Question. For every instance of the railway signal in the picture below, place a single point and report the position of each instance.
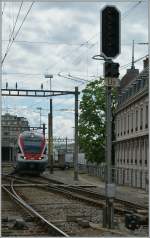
(110, 48)
(110, 32)
(111, 69)
(111, 74)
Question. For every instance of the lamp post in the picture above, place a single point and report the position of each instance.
(50, 129)
(39, 108)
(49, 76)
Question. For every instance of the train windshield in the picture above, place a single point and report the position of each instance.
(32, 145)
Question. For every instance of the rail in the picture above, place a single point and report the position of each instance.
(84, 194)
(54, 230)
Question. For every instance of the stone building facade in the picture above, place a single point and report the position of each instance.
(11, 127)
(131, 129)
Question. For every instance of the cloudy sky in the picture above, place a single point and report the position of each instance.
(60, 39)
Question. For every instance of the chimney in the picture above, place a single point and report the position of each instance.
(145, 63)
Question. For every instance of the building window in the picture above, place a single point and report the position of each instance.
(124, 125)
(136, 128)
(131, 152)
(141, 150)
(128, 152)
(132, 121)
(6, 133)
(121, 126)
(128, 123)
(136, 152)
(146, 153)
(121, 149)
(118, 126)
(144, 82)
(141, 118)
(146, 117)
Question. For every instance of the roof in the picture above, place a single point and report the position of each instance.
(129, 77)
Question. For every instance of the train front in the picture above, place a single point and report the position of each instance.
(31, 157)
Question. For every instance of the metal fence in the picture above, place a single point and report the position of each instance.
(137, 178)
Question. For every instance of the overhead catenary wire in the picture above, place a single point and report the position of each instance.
(131, 9)
(87, 41)
(17, 32)
(3, 8)
(93, 37)
(12, 33)
(126, 65)
(46, 42)
(68, 77)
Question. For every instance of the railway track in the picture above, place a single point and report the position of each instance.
(65, 213)
(51, 229)
(75, 194)
(82, 193)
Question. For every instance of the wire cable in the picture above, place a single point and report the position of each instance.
(17, 32)
(3, 8)
(86, 42)
(46, 42)
(11, 35)
(126, 65)
(131, 9)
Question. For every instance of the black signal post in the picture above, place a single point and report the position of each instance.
(110, 48)
(111, 69)
(110, 34)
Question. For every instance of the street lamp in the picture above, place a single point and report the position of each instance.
(39, 108)
(50, 129)
(49, 76)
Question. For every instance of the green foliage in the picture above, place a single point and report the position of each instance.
(92, 121)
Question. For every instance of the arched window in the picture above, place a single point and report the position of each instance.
(128, 122)
(136, 127)
(141, 118)
(124, 125)
(146, 117)
(132, 121)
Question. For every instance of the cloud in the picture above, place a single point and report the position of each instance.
(65, 26)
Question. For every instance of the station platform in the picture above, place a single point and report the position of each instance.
(127, 193)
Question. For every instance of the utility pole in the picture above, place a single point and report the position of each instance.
(76, 137)
(50, 120)
(50, 76)
(110, 48)
(66, 144)
(51, 136)
(109, 187)
(49, 142)
(40, 109)
(44, 129)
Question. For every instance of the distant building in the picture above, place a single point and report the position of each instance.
(131, 128)
(11, 127)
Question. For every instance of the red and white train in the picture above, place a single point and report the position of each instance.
(31, 157)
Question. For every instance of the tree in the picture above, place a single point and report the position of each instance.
(92, 121)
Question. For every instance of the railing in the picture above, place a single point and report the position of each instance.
(137, 178)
